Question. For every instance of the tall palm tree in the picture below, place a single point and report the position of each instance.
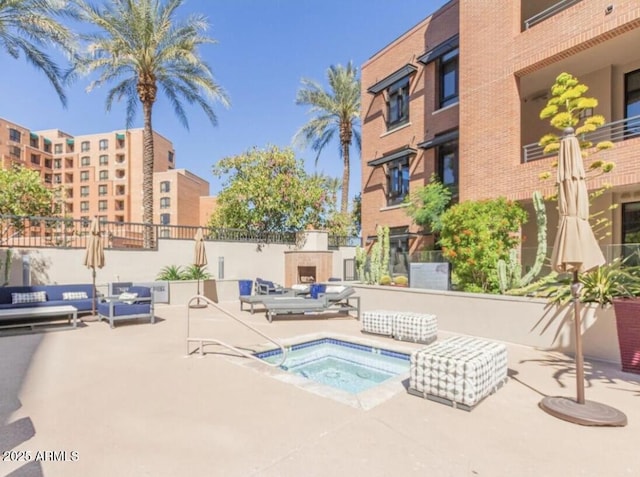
(141, 47)
(336, 111)
(26, 26)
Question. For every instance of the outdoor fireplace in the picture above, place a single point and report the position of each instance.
(306, 274)
(302, 266)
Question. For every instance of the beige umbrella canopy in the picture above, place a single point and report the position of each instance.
(199, 258)
(576, 250)
(94, 256)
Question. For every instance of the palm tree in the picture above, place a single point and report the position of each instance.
(28, 25)
(141, 47)
(337, 110)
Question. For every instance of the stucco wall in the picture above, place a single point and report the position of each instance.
(525, 321)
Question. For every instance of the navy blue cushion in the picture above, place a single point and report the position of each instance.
(124, 309)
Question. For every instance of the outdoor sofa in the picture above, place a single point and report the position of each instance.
(79, 296)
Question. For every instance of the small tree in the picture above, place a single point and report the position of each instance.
(475, 235)
(268, 190)
(24, 194)
(564, 110)
(428, 203)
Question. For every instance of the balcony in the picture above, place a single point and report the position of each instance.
(539, 11)
(615, 131)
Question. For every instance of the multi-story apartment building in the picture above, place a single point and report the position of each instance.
(459, 95)
(101, 174)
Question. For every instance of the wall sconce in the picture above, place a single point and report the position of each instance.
(608, 10)
(220, 268)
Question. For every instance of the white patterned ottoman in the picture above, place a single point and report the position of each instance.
(379, 322)
(460, 371)
(418, 327)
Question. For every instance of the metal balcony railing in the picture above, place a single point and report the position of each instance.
(549, 12)
(615, 131)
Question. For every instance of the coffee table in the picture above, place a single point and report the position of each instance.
(38, 312)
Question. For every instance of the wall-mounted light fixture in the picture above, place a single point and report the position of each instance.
(608, 10)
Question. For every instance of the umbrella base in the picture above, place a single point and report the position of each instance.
(89, 318)
(198, 305)
(588, 414)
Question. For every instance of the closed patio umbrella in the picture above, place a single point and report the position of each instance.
(199, 259)
(94, 256)
(576, 250)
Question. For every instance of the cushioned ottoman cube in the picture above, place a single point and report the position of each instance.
(418, 327)
(379, 322)
(459, 372)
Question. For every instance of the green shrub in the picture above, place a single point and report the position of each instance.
(171, 273)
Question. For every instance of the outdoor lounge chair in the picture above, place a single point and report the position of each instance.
(137, 302)
(336, 300)
(266, 287)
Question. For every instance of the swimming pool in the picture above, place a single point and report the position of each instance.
(343, 365)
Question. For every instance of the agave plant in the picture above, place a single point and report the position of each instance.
(171, 273)
(194, 272)
(601, 286)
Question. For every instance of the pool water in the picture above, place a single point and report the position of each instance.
(343, 365)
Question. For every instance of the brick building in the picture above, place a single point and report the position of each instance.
(101, 174)
(459, 95)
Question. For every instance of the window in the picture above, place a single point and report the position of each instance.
(398, 103)
(85, 161)
(399, 250)
(102, 205)
(120, 158)
(104, 144)
(170, 156)
(47, 146)
(104, 160)
(631, 222)
(47, 163)
(165, 186)
(57, 163)
(15, 151)
(14, 135)
(84, 176)
(165, 202)
(102, 218)
(84, 146)
(449, 78)
(632, 103)
(120, 173)
(84, 206)
(397, 180)
(57, 178)
(448, 167)
(104, 175)
(57, 149)
(102, 189)
(47, 178)
(84, 191)
(165, 219)
(120, 190)
(35, 159)
(33, 141)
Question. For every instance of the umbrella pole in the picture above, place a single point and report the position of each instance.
(576, 287)
(93, 302)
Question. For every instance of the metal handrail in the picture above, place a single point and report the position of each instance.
(549, 12)
(614, 131)
(190, 339)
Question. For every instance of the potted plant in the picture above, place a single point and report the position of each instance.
(615, 284)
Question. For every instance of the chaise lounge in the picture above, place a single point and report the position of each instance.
(336, 299)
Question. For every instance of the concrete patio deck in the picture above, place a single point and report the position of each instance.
(128, 402)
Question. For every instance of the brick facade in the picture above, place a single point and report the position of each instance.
(504, 70)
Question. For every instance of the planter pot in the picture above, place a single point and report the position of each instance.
(628, 325)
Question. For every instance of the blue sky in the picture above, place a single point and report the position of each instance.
(265, 47)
